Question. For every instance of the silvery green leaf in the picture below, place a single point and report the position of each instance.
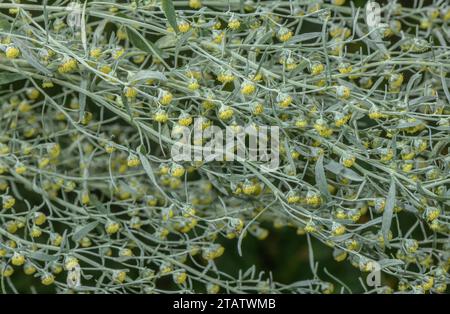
(167, 41)
(411, 82)
(42, 256)
(84, 230)
(388, 212)
(321, 179)
(127, 106)
(28, 55)
(420, 100)
(169, 12)
(7, 77)
(99, 205)
(82, 97)
(406, 124)
(83, 27)
(146, 75)
(445, 86)
(384, 263)
(216, 184)
(140, 42)
(339, 169)
(305, 37)
(4, 24)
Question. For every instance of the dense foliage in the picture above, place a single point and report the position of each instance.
(94, 94)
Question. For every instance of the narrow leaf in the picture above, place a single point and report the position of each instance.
(6, 77)
(143, 44)
(83, 28)
(169, 12)
(127, 107)
(321, 180)
(83, 231)
(42, 256)
(147, 167)
(146, 75)
(388, 212)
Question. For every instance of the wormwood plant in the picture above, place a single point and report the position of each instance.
(93, 94)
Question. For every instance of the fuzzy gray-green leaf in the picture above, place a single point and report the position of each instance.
(169, 12)
(388, 212)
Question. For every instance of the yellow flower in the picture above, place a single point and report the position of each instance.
(257, 108)
(8, 201)
(179, 277)
(234, 23)
(432, 213)
(29, 269)
(428, 283)
(12, 52)
(345, 68)
(348, 161)
(225, 113)
(33, 93)
(185, 120)
(24, 106)
(68, 66)
(133, 161)
(425, 23)
(375, 114)
(165, 98)
(6, 270)
(35, 232)
(17, 259)
(313, 199)
(249, 188)
(85, 199)
(177, 170)
(284, 100)
(71, 263)
(248, 88)
(310, 227)
(212, 288)
(343, 92)
(338, 229)
(284, 34)
(161, 116)
(47, 279)
(317, 68)
(395, 81)
(293, 198)
(184, 27)
(56, 239)
(118, 53)
(139, 59)
(39, 218)
(106, 69)
(225, 77)
(13, 11)
(321, 127)
(112, 227)
(20, 168)
(130, 92)
(301, 123)
(95, 53)
(446, 15)
(195, 4)
(218, 36)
